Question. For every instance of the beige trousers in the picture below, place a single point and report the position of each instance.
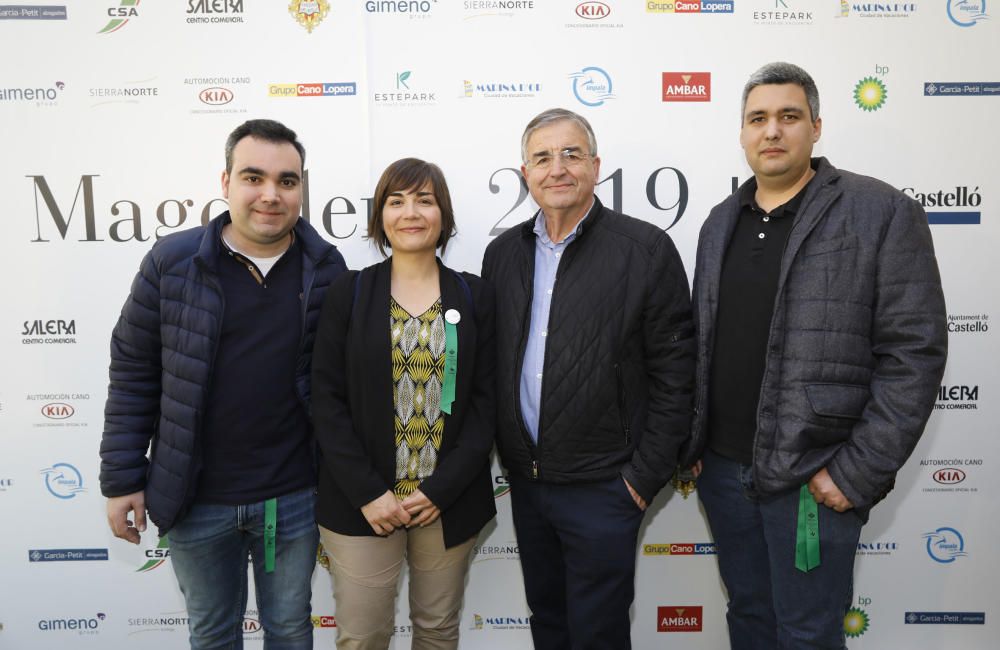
(365, 574)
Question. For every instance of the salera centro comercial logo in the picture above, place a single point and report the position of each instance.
(958, 398)
(679, 618)
(592, 86)
(966, 13)
(325, 89)
(690, 7)
(215, 11)
(309, 13)
(63, 481)
(120, 16)
(687, 86)
(945, 545)
(32, 12)
(43, 331)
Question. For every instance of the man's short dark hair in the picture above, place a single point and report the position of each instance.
(780, 72)
(266, 130)
(409, 175)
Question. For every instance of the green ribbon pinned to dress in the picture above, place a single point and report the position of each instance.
(270, 528)
(807, 532)
(450, 366)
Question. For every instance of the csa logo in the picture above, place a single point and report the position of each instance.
(945, 544)
(63, 481)
(687, 618)
(156, 556)
(120, 16)
(309, 13)
(501, 486)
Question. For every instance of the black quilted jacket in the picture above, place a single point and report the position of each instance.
(162, 350)
(619, 354)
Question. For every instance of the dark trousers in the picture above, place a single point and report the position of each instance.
(771, 603)
(577, 544)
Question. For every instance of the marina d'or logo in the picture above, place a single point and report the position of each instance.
(63, 481)
(945, 544)
(592, 86)
(855, 622)
(309, 13)
(870, 94)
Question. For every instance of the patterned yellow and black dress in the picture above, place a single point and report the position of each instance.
(418, 345)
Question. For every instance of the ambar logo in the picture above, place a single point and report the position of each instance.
(686, 618)
(58, 411)
(216, 96)
(687, 86)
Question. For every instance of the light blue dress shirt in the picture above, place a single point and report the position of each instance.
(547, 257)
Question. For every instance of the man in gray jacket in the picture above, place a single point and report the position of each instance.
(821, 340)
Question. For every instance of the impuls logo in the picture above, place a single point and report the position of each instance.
(592, 86)
(966, 13)
(945, 544)
(63, 481)
(120, 15)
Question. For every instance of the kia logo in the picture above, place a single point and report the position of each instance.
(949, 476)
(592, 10)
(215, 96)
(57, 411)
(250, 625)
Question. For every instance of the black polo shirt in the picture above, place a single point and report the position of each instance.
(255, 437)
(747, 289)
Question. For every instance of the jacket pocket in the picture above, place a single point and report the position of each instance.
(830, 246)
(838, 400)
(622, 405)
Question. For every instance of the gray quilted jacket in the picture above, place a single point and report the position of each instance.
(858, 337)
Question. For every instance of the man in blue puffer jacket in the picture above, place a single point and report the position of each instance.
(210, 365)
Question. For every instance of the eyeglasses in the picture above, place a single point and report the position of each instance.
(567, 157)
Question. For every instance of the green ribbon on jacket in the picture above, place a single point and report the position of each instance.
(807, 532)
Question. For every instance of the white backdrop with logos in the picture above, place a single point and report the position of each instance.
(114, 117)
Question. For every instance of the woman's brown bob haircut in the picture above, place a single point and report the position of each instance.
(409, 175)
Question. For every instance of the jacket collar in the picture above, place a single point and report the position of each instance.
(588, 223)
(314, 248)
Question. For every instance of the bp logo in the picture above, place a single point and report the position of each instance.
(855, 622)
(870, 94)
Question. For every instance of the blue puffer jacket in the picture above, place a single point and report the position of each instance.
(162, 351)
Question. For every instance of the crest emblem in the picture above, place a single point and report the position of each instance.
(309, 13)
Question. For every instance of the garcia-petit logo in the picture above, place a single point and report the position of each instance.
(673, 618)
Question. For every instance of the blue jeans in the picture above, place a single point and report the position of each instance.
(209, 549)
(771, 603)
(578, 545)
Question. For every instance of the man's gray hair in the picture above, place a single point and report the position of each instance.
(780, 72)
(545, 118)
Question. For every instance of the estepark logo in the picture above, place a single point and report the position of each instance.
(680, 548)
(63, 481)
(687, 86)
(39, 95)
(402, 94)
(683, 618)
(309, 13)
(326, 89)
(120, 16)
(782, 12)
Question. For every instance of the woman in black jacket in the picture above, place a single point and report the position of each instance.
(404, 417)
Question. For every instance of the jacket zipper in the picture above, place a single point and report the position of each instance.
(621, 405)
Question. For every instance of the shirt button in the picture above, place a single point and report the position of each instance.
(544, 333)
(761, 236)
(558, 254)
(538, 376)
(766, 219)
(549, 292)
